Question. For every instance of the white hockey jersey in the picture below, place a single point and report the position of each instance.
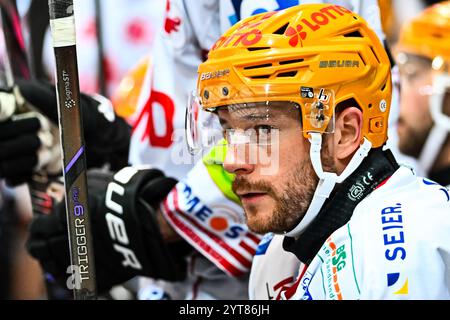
(395, 246)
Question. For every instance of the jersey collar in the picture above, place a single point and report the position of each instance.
(376, 168)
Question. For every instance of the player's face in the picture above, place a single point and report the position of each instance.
(415, 120)
(274, 176)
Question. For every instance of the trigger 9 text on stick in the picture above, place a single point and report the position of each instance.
(62, 25)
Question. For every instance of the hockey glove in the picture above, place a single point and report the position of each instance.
(28, 141)
(107, 136)
(127, 237)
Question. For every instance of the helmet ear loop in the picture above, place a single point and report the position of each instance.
(315, 154)
(327, 180)
(441, 128)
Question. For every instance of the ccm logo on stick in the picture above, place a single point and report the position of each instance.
(116, 225)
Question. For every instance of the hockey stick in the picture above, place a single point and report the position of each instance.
(62, 23)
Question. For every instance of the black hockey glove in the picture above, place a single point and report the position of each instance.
(31, 144)
(26, 145)
(127, 240)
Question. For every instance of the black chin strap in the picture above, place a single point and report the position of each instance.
(441, 176)
(338, 209)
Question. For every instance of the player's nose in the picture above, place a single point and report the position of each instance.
(238, 159)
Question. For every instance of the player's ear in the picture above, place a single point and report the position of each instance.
(348, 131)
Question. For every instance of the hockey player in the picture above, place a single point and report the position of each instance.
(190, 31)
(423, 55)
(309, 88)
(212, 222)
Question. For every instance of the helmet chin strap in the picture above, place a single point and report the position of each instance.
(441, 127)
(327, 179)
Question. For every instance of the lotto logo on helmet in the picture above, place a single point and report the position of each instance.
(248, 33)
(316, 21)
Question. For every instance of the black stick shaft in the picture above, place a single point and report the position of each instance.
(74, 162)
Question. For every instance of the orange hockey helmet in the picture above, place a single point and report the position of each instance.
(126, 96)
(428, 35)
(317, 56)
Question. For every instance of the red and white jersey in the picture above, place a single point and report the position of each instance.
(212, 223)
(199, 209)
(395, 246)
(128, 27)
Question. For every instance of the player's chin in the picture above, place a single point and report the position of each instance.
(259, 226)
(259, 216)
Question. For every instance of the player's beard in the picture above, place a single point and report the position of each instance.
(291, 203)
(412, 140)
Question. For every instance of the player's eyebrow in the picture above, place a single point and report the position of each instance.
(256, 116)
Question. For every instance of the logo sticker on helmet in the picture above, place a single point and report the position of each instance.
(316, 21)
(339, 64)
(322, 96)
(215, 74)
(383, 105)
(307, 92)
(294, 34)
(251, 37)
